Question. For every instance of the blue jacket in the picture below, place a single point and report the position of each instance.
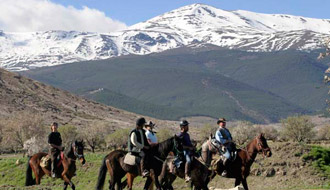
(223, 135)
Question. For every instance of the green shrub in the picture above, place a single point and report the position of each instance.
(320, 158)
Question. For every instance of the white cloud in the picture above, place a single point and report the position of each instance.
(41, 15)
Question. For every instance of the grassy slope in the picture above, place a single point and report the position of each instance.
(200, 82)
(286, 157)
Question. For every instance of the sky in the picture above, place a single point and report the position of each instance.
(114, 15)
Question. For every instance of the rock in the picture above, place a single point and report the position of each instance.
(236, 188)
(18, 162)
(270, 172)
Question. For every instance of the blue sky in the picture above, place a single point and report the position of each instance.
(134, 11)
(116, 15)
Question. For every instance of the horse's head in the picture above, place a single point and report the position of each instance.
(214, 145)
(262, 145)
(78, 149)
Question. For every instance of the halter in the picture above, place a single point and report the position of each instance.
(263, 150)
(79, 156)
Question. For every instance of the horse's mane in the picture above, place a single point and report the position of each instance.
(160, 148)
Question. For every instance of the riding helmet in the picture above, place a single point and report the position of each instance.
(184, 123)
(141, 121)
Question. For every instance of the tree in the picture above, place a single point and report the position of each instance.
(35, 145)
(69, 134)
(297, 128)
(243, 132)
(327, 72)
(95, 135)
(20, 127)
(118, 138)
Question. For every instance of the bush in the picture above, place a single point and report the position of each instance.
(243, 132)
(118, 138)
(163, 134)
(324, 133)
(320, 158)
(69, 134)
(206, 130)
(297, 128)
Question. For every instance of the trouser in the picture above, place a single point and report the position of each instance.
(53, 152)
(143, 156)
(186, 153)
(227, 155)
(207, 157)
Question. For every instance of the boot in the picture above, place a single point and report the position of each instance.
(187, 173)
(145, 172)
(53, 172)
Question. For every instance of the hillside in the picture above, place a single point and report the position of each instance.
(18, 93)
(205, 81)
(196, 24)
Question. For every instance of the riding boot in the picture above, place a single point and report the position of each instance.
(187, 172)
(145, 172)
(53, 166)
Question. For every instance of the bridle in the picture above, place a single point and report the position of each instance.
(261, 148)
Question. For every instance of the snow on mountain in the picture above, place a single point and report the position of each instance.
(193, 24)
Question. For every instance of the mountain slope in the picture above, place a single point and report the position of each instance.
(201, 82)
(18, 93)
(192, 25)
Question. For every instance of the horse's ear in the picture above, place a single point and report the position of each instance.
(260, 135)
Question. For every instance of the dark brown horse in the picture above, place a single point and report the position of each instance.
(114, 164)
(200, 174)
(66, 170)
(240, 167)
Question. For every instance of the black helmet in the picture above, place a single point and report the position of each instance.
(141, 121)
(184, 123)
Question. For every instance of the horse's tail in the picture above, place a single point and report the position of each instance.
(102, 174)
(29, 179)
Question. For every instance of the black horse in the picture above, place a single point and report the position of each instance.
(114, 164)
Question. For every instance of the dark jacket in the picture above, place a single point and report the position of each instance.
(131, 147)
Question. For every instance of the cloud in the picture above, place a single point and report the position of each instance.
(42, 15)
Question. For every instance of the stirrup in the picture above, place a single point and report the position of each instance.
(187, 179)
(145, 173)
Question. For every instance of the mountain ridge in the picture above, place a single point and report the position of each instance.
(186, 26)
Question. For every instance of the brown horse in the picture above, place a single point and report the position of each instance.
(240, 167)
(114, 163)
(66, 169)
(200, 174)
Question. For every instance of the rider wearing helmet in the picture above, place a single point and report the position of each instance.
(55, 143)
(224, 137)
(188, 148)
(138, 144)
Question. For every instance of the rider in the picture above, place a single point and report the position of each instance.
(188, 148)
(150, 134)
(224, 137)
(138, 144)
(55, 142)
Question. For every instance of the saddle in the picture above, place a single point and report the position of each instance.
(46, 161)
(131, 159)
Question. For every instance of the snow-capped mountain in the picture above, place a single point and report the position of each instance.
(190, 25)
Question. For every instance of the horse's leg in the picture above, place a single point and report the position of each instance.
(36, 170)
(130, 179)
(245, 184)
(148, 183)
(65, 185)
(237, 181)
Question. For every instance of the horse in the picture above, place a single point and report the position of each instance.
(200, 174)
(66, 170)
(114, 164)
(240, 167)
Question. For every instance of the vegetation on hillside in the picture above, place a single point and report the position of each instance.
(259, 87)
